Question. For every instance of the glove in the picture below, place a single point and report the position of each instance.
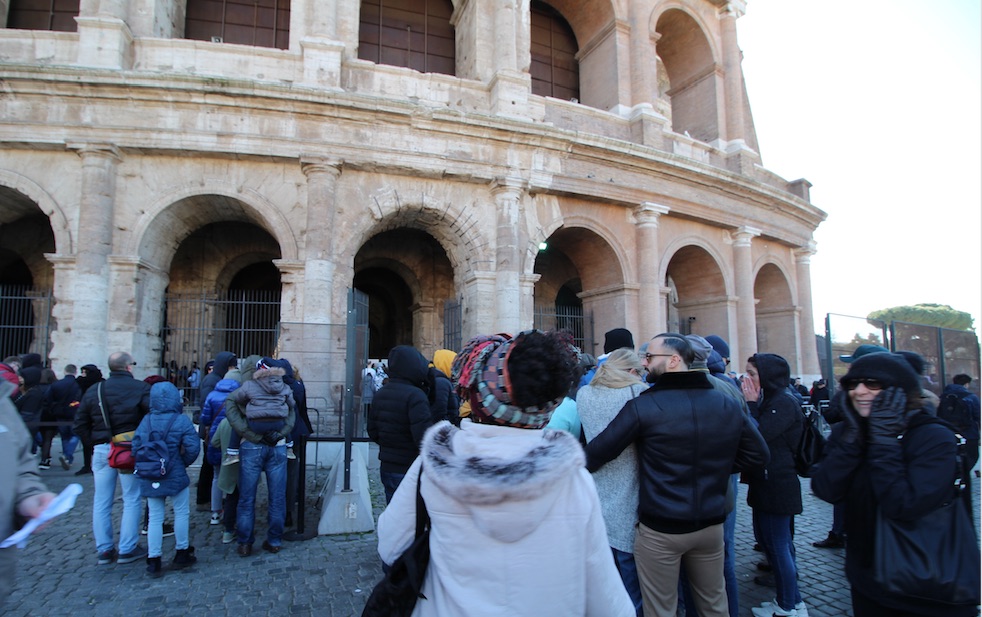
(270, 438)
(888, 416)
(852, 431)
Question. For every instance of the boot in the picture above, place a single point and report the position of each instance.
(184, 558)
(833, 541)
(154, 569)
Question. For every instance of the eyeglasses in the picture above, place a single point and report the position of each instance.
(649, 356)
(871, 384)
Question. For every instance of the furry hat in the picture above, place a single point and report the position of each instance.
(617, 338)
(890, 369)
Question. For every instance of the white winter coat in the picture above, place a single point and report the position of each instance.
(516, 526)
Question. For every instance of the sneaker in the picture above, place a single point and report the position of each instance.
(228, 537)
(290, 455)
(45, 464)
(773, 611)
(833, 541)
(84, 471)
(800, 608)
(168, 530)
(137, 554)
(216, 518)
(66, 463)
(230, 459)
(107, 557)
(764, 566)
(767, 580)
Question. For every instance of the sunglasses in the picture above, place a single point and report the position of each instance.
(649, 356)
(871, 384)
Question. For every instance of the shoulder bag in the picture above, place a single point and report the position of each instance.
(934, 558)
(396, 594)
(121, 445)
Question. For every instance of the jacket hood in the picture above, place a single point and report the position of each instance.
(31, 359)
(31, 376)
(507, 478)
(774, 371)
(442, 360)
(248, 367)
(406, 363)
(227, 385)
(271, 379)
(164, 396)
(221, 362)
(715, 363)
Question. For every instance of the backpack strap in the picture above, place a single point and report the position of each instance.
(105, 417)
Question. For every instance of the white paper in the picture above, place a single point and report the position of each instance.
(64, 502)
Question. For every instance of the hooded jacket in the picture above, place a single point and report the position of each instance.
(690, 438)
(31, 402)
(126, 401)
(265, 396)
(222, 361)
(444, 404)
(400, 413)
(213, 412)
(302, 427)
(528, 513)
(775, 489)
(182, 440)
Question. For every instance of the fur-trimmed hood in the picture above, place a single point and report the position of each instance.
(507, 478)
(271, 379)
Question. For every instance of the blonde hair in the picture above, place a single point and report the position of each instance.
(615, 371)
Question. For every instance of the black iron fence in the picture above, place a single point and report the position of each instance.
(25, 320)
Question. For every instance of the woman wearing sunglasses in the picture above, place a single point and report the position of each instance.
(890, 454)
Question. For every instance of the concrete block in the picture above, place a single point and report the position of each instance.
(347, 511)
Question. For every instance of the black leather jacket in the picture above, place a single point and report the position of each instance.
(690, 438)
(126, 401)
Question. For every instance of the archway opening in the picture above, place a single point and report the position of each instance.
(697, 303)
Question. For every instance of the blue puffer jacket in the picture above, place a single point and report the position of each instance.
(212, 414)
(183, 444)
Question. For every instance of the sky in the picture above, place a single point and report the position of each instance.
(877, 103)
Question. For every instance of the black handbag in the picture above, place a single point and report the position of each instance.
(934, 558)
(396, 594)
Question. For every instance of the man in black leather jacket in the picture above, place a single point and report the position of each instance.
(124, 401)
(690, 438)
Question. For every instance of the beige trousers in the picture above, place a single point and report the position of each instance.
(658, 556)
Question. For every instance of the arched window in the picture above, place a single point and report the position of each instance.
(53, 15)
(411, 33)
(555, 71)
(263, 23)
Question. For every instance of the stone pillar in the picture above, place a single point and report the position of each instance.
(732, 68)
(508, 255)
(63, 347)
(318, 283)
(104, 36)
(136, 300)
(651, 308)
(807, 350)
(743, 268)
(95, 237)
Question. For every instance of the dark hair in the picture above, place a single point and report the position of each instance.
(677, 343)
(48, 376)
(961, 379)
(540, 367)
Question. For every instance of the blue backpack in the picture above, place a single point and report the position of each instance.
(153, 458)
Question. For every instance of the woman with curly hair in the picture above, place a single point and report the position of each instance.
(616, 381)
(516, 526)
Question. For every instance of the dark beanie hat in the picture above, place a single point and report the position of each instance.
(915, 360)
(30, 359)
(618, 338)
(888, 368)
(719, 345)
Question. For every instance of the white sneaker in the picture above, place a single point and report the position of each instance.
(772, 608)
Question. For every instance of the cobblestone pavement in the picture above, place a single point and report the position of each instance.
(323, 576)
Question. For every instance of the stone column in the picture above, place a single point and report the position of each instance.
(808, 350)
(318, 283)
(651, 309)
(743, 268)
(732, 68)
(507, 194)
(95, 238)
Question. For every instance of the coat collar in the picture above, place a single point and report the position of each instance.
(687, 380)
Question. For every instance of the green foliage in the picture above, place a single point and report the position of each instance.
(938, 315)
(858, 339)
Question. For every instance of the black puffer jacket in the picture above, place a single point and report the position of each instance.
(400, 412)
(690, 438)
(775, 489)
(126, 401)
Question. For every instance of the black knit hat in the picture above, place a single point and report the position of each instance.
(618, 338)
(888, 368)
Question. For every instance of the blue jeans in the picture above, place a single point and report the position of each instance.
(390, 482)
(155, 526)
(629, 574)
(102, 504)
(254, 459)
(69, 441)
(773, 531)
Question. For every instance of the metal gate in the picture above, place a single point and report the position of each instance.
(198, 326)
(564, 317)
(452, 325)
(25, 321)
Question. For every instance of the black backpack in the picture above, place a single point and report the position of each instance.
(810, 446)
(153, 458)
(954, 410)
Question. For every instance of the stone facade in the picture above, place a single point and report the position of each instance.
(135, 163)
